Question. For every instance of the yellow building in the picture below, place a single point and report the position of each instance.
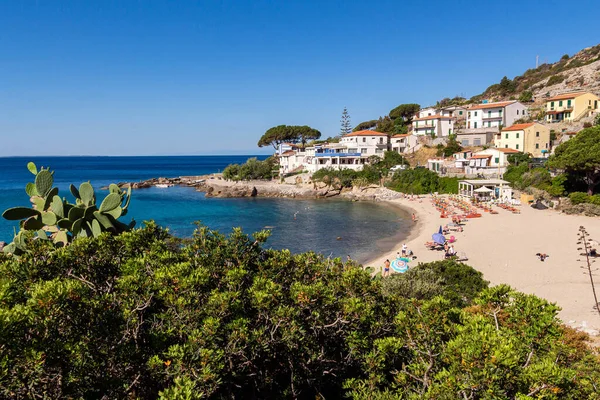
(571, 106)
(530, 138)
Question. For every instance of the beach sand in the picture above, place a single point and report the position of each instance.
(503, 247)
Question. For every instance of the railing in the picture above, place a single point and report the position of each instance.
(337, 154)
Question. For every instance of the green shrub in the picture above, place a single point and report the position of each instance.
(415, 181)
(554, 79)
(345, 177)
(526, 96)
(448, 185)
(251, 169)
(578, 198)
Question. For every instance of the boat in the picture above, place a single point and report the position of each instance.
(163, 185)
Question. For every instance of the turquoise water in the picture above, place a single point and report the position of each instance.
(331, 227)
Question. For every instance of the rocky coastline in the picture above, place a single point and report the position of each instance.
(215, 186)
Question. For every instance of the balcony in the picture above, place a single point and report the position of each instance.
(333, 154)
(496, 118)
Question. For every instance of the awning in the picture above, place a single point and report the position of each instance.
(483, 189)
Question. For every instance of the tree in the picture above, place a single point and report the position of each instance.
(365, 125)
(597, 120)
(526, 96)
(284, 133)
(580, 155)
(346, 126)
(405, 111)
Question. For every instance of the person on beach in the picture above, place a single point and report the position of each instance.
(386, 268)
(446, 247)
(414, 217)
(404, 249)
(542, 256)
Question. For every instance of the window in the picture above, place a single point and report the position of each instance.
(506, 136)
(380, 140)
(489, 124)
(560, 103)
(551, 104)
(506, 146)
(489, 114)
(517, 112)
(517, 135)
(546, 145)
(475, 113)
(460, 113)
(363, 151)
(469, 114)
(497, 160)
(476, 142)
(449, 131)
(500, 112)
(517, 147)
(537, 134)
(475, 124)
(537, 145)
(364, 140)
(569, 103)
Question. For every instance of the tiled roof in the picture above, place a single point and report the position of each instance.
(507, 150)
(365, 133)
(288, 153)
(518, 127)
(566, 96)
(480, 156)
(437, 116)
(492, 105)
(399, 136)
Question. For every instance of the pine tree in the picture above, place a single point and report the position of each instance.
(346, 125)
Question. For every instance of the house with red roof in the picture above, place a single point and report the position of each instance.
(532, 137)
(571, 106)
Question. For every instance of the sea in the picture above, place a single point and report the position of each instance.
(333, 227)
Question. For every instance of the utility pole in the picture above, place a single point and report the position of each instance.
(537, 61)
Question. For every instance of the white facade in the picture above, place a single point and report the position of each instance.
(493, 115)
(403, 143)
(434, 125)
(352, 152)
(489, 162)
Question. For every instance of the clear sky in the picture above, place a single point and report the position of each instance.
(209, 77)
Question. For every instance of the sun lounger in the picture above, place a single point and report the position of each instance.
(461, 256)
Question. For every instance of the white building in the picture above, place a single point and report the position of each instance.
(436, 125)
(492, 115)
(352, 152)
(489, 162)
(403, 143)
(457, 112)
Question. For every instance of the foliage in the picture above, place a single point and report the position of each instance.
(143, 315)
(346, 177)
(555, 79)
(448, 185)
(365, 125)
(452, 146)
(346, 126)
(526, 96)
(415, 181)
(597, 120)
(405, 112)
(390, 159)
(385, 125)
(456, 282)
(251, 169)
(580, 198)
(580, 155)
(516, 159)
(284, 133)
(56, 219)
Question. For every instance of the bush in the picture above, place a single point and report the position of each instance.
(345, 177)
(251, 169)
(448, 185)
(415, 181)
(456, 282)
(555, 79)
(579, 198)
(526, 96)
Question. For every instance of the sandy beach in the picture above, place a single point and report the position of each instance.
(503, 247)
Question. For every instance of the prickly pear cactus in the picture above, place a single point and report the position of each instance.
(56, 219)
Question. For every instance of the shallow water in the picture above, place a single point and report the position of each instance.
(329, 226)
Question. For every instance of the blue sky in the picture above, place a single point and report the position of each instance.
(209, 77)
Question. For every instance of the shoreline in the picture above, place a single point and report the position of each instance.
(502, 246)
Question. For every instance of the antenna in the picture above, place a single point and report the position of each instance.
(537, 61)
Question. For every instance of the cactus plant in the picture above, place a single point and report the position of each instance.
(61, 221)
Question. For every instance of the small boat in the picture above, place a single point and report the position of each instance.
(163, 185)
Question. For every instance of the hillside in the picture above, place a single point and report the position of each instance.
(581, 71)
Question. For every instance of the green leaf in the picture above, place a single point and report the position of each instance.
(49, 198)
(43, 182)
(74, 191)
(32, 168)
(19, 213)
(61, 237)
(87, 193)
(76, 213)
(104, 221)
(57, 207)
(38, 203)
(33, 224)
(30, 189)
(49, 218)
(114, 188)
(96, 230)
(10, 248)
(110, 202)
(77, 226)
(89, 212)
(65, 224)
(115, 213)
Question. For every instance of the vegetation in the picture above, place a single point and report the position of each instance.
(581, 198)
(142, 315)
(363, 126)
(284, 133)
(422, 181)
(526, 96)
(56, 219)
(580, 156)
(452, 147)
(251, 169)
(345, 178)
(555, 79)
(346, 125)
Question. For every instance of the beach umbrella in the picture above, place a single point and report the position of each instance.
(483, 189)
(440, 231)
(438, 238)
(400, 265)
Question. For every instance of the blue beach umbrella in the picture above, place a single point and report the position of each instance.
(400, 264)
(438, 238)
(440, 231)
